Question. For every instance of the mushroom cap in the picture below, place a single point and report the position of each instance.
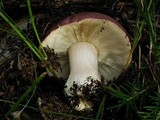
(105, 33)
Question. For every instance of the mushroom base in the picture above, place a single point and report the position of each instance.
(89, 91)
(89, 88)
(81, 104)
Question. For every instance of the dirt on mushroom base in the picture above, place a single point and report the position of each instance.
(13, 81)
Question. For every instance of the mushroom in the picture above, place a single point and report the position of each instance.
(93, 49)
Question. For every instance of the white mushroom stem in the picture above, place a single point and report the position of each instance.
(83, 70)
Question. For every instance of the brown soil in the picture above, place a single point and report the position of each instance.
(19, 66)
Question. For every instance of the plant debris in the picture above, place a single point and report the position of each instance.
(19, 67)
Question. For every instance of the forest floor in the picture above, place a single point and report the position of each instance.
(131, 97)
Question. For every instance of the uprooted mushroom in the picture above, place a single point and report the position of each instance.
(89, 46)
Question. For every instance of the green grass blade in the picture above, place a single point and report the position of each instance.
(21, 105)
(25, 105)
(22, 35)
(34, 28)
(8, 32)
(149, 23)
(29, 90)
(1, 4)
(137, 34)
(100, 110)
